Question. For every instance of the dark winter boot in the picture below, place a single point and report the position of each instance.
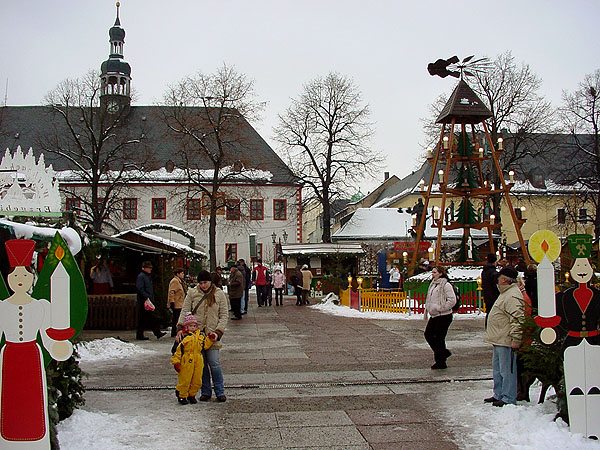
(182, 401)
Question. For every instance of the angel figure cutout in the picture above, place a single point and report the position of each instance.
(28, 325)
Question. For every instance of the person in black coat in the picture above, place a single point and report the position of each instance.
(531, 284)
(145, 291)
(489, 282)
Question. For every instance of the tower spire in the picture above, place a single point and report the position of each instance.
(117, 21)
(115, 72)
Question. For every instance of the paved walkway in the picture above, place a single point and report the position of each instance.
(299, 378)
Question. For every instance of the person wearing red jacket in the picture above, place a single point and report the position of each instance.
(260, 276)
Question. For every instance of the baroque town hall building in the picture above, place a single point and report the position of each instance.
(153, 179)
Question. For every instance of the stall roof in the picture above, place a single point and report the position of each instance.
(173, 246)
(131, 245)
(350, 248)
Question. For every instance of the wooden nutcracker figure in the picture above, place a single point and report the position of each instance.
(578, 312)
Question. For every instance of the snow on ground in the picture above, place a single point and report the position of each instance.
(525, 426)
(145, 426)
(106, 431)
(328, 305)
(108, 349)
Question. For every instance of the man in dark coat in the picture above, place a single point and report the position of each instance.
(489, 282)
(235, 289)
(145, 291)
(248, 284)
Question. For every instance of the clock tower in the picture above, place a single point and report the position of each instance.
(115, 73)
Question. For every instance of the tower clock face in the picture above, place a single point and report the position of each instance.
(112, 107)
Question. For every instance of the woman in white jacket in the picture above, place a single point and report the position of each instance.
(438, 306)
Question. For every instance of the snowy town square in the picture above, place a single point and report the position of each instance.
(332, 225)
(318, 377)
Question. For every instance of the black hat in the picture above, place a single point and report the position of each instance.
(205, 276)
(147, 264)
(509, 272)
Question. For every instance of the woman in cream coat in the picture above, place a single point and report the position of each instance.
(209, 305)
(440, 300)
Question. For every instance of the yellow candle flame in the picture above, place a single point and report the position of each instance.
(545, 246)
(59, 253)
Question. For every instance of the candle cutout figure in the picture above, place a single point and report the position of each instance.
(578, 311)
(27, 323)
(544, 247)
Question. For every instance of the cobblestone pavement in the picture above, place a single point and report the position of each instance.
(299, 378)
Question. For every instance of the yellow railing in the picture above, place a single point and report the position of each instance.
(393, 301)
(345, 297)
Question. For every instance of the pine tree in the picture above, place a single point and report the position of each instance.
(65, 392)
(544, 362)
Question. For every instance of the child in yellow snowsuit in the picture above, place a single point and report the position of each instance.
(188, 362)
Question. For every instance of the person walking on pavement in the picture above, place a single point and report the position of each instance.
(489, 283)
(278, 285)
(235, 289)
(248, 284)
(296, 282)
(177, 292)
(145, 303)
(504, 333)
(438, 306)
(306, 281)
(259, 278)
(208, 304)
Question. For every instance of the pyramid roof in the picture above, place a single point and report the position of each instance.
(464, 106)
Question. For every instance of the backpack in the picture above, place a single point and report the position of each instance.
(457, 293)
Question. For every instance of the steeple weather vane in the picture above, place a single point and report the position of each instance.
(456, 68)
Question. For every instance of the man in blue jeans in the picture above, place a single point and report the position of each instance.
(504, 333)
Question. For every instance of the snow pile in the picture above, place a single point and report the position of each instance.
(329, 306)
(91, 430)
(525, 426)
(107, 349)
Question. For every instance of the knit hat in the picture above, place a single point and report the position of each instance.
(188, 319)
(509, 272)
(204, 275)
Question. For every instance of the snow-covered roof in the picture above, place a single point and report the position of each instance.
(458, 273)
(176, 175)
(388, 224)
(31, 230)
(170, 243)
(322, 249)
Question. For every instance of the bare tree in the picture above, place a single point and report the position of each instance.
(519, 114)
(325, 133)
(102, 152)
(580, 114)
(207, 113)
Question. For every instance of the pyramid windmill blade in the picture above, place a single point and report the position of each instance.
(468, 58)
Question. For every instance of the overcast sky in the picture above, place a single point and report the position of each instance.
(384, 46)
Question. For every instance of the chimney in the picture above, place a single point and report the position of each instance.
(386, 175)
